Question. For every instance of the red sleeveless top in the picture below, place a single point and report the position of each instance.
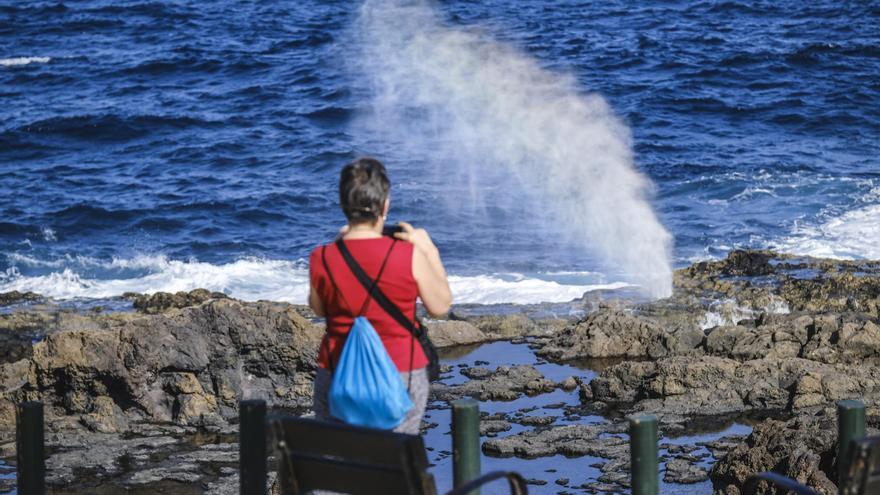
(396, 282)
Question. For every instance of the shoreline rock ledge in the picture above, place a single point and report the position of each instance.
(758, 331)
(186, 366)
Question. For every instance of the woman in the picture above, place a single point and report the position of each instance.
(407, 266)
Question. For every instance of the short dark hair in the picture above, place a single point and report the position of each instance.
(363, 188)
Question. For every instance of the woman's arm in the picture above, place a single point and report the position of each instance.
(428, 270)
(315, 302)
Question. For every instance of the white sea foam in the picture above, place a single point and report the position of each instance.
(48, 234)
(510, 135)
(751, 191)
(852, 235)
(11, 62)
(248, 279)
(485, 289)
(575, 273)
(728, 312)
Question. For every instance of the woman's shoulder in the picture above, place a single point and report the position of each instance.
(404, 252)
(317, 253)
(377, 246)
(404, 246)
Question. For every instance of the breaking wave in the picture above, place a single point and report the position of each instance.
(251, 279)
(11, 62)
(852, 235)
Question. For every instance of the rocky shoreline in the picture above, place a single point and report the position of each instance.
(151, 394)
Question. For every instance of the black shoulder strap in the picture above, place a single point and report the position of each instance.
(375, 283)
(332, 280)
(374, 290)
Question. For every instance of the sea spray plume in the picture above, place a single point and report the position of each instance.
(492, 114)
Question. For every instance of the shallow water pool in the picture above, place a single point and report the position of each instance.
(545, 470)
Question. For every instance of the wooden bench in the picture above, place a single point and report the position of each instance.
(862, 476)
(316, 455)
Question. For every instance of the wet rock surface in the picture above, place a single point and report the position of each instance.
(684, 471)
(569, 440)
(778, 333)
(803, 284)
(149, 458)
(458, 331)
(146, 401)
(752, 356)
(616, 333)
(507, 327)
(505, 383)
(711, 385)
(16, 297)
(491, 427)
(608, 443)
(826, 338)
(802, 448)
(190, 367)
(163, 301)
(450, 333)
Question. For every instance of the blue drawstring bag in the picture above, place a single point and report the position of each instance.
(367, 389)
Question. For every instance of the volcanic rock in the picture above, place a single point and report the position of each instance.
(505, 383)
(827, 338)
(569, 440)
(448, 333)
(16, 297)
(711, 385)
(506, 327)
(189, 367)
(163, 301)
(834, 292)
(493, 426)
(683, 471)
(616, 333)
(802, 448)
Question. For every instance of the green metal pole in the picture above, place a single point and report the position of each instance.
(252, 447)
(850, 426)
(31, 473)
(465, 442)
(643, 455)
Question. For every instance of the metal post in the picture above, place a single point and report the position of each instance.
(31, 474)
(252, 447)
(643, 455)
(850, 426)
(465, 441)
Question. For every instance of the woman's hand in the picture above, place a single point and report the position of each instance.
(419, 237)
(428, 270)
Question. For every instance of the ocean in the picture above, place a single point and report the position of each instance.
(551, 148)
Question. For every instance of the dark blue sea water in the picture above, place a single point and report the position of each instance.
(170, 145)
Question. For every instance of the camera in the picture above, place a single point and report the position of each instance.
(390, 230)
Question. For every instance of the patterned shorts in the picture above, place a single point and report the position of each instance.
(418, 393)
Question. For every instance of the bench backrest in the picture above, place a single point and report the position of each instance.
(317, 455)
(863, 476)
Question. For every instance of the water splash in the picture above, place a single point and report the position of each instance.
(512, 134)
